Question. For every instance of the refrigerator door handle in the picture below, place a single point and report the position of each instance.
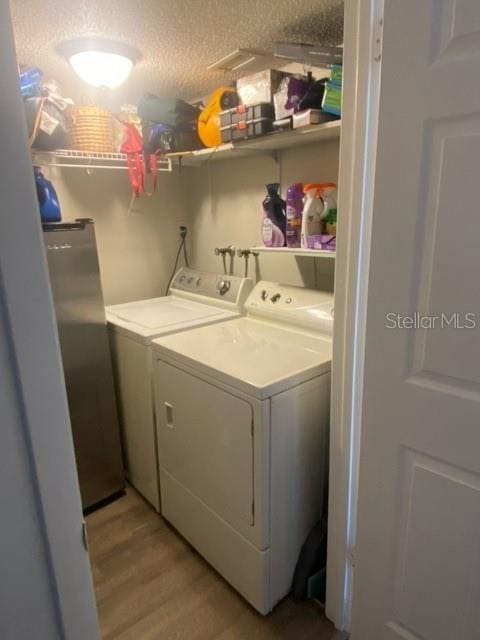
(169, 415)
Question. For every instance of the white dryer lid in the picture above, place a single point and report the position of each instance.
(145, 319)
(253, 356)
(161, 312)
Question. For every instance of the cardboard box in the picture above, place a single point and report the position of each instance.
(260, 87)
(310, 116)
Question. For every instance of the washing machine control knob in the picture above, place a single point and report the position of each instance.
(264, 294)
(197, 282)
(223, 286)
(276, 297)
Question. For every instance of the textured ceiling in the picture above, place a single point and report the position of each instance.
(177, 38)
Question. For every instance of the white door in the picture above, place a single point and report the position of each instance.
(417, 569)
(46, 589)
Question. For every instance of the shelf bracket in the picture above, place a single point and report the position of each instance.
(276, 156)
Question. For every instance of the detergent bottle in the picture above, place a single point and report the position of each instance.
(294, 214)
(320, 207)
(47, 198)
(274, 221)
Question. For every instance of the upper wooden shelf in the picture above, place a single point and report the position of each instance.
(269, 143)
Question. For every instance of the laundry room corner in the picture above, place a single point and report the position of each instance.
(225, 204)
(137, 240)
(239, 320)
(191, 249)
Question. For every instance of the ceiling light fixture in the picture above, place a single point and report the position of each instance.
(100, 62)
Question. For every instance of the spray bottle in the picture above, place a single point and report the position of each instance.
(274, 221)
(320, 207)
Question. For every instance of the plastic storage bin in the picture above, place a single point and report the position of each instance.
(246, 129)
(311, 116)
(246, 113)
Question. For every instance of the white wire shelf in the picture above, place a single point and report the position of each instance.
(69, 158)
(309, 253)
(269, 143)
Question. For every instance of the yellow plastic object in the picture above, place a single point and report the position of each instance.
(209, 120)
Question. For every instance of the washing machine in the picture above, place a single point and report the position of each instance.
(195, 299)
(242, 429)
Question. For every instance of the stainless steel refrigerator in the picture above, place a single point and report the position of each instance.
(75, 280)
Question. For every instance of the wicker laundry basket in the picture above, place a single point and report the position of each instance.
(91, 129)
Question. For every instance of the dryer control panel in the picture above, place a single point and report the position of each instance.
(308, 308)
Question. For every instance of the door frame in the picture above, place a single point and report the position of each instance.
(362, 64)
(26, 294)
(46, 478)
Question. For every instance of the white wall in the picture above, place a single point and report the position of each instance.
(136, 249)
(221, 203)
(225, 199)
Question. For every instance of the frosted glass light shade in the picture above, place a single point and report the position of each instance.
(101, 69)
(98, 61)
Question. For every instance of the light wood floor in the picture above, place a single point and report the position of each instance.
(151, 585)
